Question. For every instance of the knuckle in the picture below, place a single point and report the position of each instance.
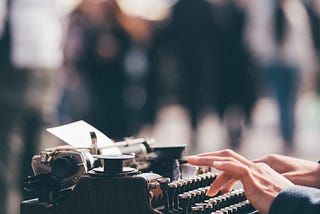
(228, 159)
(262, 165)
(272, 157)
(227, 152)
(245, 170)
(232, 159)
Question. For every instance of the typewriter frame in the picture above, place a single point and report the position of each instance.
(101, 195)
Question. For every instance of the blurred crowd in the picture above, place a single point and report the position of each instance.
(117, 63)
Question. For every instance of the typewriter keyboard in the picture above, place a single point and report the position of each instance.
(188, 196)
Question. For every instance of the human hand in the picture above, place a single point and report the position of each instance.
(260, 182)
(298, 171)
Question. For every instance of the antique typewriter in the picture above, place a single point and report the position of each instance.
(142, 179)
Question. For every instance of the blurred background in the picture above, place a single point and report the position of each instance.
(210, 74)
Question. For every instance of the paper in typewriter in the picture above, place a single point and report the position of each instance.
(77, 134)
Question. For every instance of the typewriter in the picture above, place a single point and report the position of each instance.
(141, 179)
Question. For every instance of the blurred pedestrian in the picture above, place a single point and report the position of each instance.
(182, 59)
(236, 85)
(280, 39)
(313, 11)
(95, 50)
(200, 61)
(31, 55)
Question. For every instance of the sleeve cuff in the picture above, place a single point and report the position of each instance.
(297, 199)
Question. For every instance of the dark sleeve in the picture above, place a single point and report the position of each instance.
(297, 199)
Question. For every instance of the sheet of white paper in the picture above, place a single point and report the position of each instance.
(77, 134)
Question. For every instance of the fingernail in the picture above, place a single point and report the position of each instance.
(191, 157)
(211, 193)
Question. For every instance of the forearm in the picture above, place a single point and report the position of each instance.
(307, 177)
(316, 177)
(299, 171)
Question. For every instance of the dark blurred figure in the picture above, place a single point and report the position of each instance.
(183, 58)
(283, 77)
(236, 84)
(95, 50)
(313, 10)
(5, 109)
(29, 64)
(199, 61)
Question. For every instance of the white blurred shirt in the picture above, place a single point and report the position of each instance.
(2, 15)
(38, 29)
(297, 49)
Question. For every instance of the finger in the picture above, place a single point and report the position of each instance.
(265, 160)
(227, 153)
(207, 160)
(218, 184)
(238, 170)
(232, 171)
(272, 161)
(228, 187)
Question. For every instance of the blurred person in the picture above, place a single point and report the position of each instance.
(313, 10)
(182, 59)
(280, 40)
(200, 62)
(95, 50)
(136, 66)
(5, 69)
(236, 84)
(272, 184)
(31, 54)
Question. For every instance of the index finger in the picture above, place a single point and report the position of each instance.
(207, 160)
(227, 153)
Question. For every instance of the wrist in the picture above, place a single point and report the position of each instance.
(307, 174)
(317, 175)
(313, 178)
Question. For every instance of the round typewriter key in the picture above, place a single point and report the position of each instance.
(217, 212)
(233, 209)
(197, 209)
(203, 181)
(188, 184)
(215, 204)
(208, 208)
(185, 202)
(172, 187)
(224, 211)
